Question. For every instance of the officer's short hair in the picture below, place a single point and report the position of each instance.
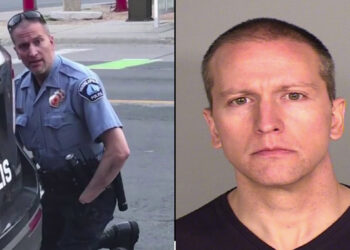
(268, 29)
(46, 28)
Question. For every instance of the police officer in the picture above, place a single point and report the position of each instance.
(62, 108)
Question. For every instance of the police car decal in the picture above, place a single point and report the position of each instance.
(5, 174)
(90, 90)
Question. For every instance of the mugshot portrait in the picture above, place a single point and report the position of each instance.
(202, 172)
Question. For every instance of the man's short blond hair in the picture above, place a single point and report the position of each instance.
(268, 29)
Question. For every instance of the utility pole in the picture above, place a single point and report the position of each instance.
(155, 14)
(120, 5)
(71, 5)
(29, 5)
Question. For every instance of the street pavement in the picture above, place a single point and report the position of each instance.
(112, 28)
(149, 124)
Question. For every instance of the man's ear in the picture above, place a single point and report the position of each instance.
(215, 137)
(338, 114)
(14, 48)
(52, 41)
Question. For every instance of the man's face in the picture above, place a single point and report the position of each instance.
(271, 112)
(34, 47)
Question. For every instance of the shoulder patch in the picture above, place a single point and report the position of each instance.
(90, 89)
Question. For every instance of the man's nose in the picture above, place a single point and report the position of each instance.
(33, 50)
(268, 117)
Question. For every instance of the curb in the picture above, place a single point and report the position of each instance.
(75, 15)
(164, 36)
(120, 40)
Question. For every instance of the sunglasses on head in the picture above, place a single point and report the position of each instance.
(27, 15)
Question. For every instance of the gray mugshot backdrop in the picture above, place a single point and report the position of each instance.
(202, 173)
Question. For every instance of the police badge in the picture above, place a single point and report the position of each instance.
(56, 98)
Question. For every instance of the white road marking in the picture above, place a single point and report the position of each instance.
(58, 52)
(154, 103)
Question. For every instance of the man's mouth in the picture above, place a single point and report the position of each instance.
(35, 62)
(273, 152)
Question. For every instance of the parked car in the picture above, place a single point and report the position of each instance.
(20, 211)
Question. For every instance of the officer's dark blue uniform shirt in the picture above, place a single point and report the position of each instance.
(70, 111)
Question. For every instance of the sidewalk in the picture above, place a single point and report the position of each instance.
(112, 28)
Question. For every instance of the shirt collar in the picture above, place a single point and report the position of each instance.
(50, 80)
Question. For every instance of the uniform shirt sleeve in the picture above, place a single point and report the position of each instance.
(92, 105)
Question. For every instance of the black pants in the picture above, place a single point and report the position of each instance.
(68, 225)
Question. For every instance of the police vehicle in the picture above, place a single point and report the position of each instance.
(20, 212)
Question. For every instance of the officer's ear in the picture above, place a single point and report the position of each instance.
(338, 113)
(52, 41)
(18, 55)
(215, 137)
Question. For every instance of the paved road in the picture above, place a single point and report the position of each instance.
(18, 4)
(148, 119)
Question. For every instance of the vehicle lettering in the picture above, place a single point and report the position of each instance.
(5, 174)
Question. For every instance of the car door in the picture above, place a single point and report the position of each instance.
(20, 212)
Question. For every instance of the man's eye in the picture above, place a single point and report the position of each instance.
(240, 101)
(295, 96)
(37, 42)
(23, 46)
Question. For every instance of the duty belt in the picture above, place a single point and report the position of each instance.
(60, 180)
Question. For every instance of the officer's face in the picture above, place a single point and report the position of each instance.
(271, 112)
(34, 47)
